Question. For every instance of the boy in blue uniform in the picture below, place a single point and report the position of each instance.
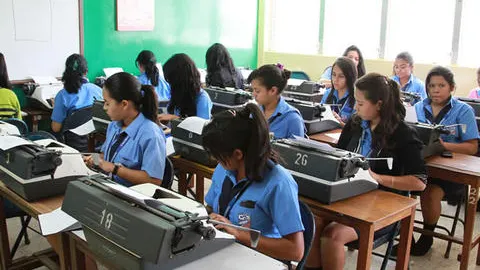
(134, 151)
(441, 108)
(188, 98)
(249, 188)
(268, 82)
(344, 75)
(403, 68)
(150, 75)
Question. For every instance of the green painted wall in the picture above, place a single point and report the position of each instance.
(188, 26)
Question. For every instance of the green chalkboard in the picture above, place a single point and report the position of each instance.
(188, 26)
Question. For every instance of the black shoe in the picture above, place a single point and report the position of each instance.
(422, 246)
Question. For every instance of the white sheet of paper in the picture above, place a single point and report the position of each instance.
(110, 71)
(335, 136)
(314, 144)
(84, 129)
(411, 114)
(80, 234)
(129, 192)
(294, 82)
(328, 114)
(45, 79)
(9, 142)
(194, 124)
(364, 174)
(170, 149)
(245, 73)
(203, 75)
(57, 221)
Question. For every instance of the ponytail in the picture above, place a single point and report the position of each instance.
(245, 129)
(270, 76)
(396, 98)
(75, 69)
(149, 102)
(149, 63)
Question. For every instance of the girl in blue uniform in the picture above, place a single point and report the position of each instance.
(344, 75)
(267, 83)
(377, 131)
(403, 69)
(249, 188)
(221, 71)
(441, 108)
(354, 54)
(134, 151)
(188, 98)
(150, 75)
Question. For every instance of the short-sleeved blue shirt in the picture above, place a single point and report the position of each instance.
(414, 85)
(345, 111)
(204, 105)
(66, 103)
(286, 121)
(143, 148)
(162, 89)
(270, 205)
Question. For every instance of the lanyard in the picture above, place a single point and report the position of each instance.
(118, 148)
(235, 199)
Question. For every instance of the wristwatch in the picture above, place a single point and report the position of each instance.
(115, 168)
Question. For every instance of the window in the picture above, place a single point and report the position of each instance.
(468, 52)
(352, 22)
(292, 26)
(423, 28)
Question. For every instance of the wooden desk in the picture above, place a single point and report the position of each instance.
(33, 209)
(322, 137)
(368, 213)
(201, 172)
(36, 116)
(462, 169)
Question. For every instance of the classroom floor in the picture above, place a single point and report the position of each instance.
(433, 260)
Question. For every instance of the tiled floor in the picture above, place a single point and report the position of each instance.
(433, 260)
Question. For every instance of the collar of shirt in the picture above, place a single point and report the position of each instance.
(405, 87)
(282, 108)
(345, 95)
(133, 128)
(427, 105)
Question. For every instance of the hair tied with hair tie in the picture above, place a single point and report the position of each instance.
(280, 66)
(75, 65)
(386, 80)
(233, 112)
(142, 93)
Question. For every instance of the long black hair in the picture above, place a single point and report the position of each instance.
(124, 86)
(75, 69)
(377, 87)
(361, 65)
(245, 129)
(218, 58)
(4, 80)
(184, 78)
(149, 63)
(348, 68)
(270, 76)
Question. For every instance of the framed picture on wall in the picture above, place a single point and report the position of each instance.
(135, 15)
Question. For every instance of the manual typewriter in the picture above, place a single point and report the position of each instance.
(304, 90)
(226, 98)
(313, 115)
(324, 173)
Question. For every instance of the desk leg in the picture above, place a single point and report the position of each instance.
(6, 259)
(406, 230)
(34, 123)
(91, 143)
(469, 224)
(182, 183)
(77, 257)
(199, 187)
(365, 247)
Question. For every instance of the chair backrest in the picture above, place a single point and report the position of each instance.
(40, 135)
(168, 175)
(299, 75)
(22, 127)
(309, 223)
(77, 118)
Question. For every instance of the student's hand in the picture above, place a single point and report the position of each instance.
(326, 82)
(166, 117)
(338, 118)
(106, 166)
(223, 219)
(88, 161)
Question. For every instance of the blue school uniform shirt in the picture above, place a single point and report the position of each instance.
(454, 112)
(286, 121)
(327, 74)
(162, 89)
(270, 205)
(414, 85)
(345, 110)
(204, 105)
(143, 148)
(66, 103)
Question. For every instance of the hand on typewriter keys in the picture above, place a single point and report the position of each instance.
(339, 118)
(223, 219)
(166, 117)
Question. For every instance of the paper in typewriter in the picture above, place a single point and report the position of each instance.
(411, 114)
(364, 175)
(194, 124)
(9, 142)
(300, 141)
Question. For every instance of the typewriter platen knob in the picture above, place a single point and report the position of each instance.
(207, 232)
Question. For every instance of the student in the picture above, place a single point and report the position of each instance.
(403, 69)
(134, 151)
(77, 92)
(9, 105)
(352, 52)
(249, 188)
(268, 82)
(188, 99)
(377, 130)
(150, 74)
(475, 93)
(221, 71)
(344, 75)
(441, 108)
